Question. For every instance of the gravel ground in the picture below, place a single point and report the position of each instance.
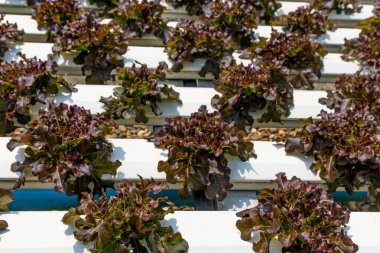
(131, 132)
(272, 134)
(142, 132)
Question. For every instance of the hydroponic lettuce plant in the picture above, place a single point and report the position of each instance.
(289, 52)
(8, 33)
(237, 18)
(197, 152)
(52, 16)
(365, 48)
(303, 217)
(245, 89)
(66, 146)
(97, 46)
(193, 7)
(347, 7)
(306, 20)
(128, 221)
(346, 148)
(359, 88)
(5, 199)
(191, 39)
(140, 17)
(139, 88)
(267, 9)
(23, 84)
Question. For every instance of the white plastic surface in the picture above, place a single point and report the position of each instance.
(206, 232)
(151, 56)
(140, 157)
(306, 102)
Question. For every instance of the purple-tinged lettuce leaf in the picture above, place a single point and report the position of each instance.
(289, 53)
(66, 146)
(139, 88)
(128, 221)
(306, 20)
(140, 17)
(23, 84)
(346, 147)
(52, 16)
(359, 88)
(8, 32)
(245, 89)
(302, 216)
(98, 47)
(195, 39)
(239, 18)
(366, 47)
(197, 152)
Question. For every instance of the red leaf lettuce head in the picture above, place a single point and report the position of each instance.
(66, 146)
(303, 217)
(139, 88)
(237, 18)
(52, 16)
(97, 46)
(306, 20)
(346, 147)
(23, 84)
(197, 152)
(194, 39)
(8, 32)
(289, 53)
(366, 48)
(245, 90)
(130, 220)
(359, 88)
(140, 17)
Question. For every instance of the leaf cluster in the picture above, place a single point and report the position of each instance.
(52, 16)
(193, 39)
(302, 216)
(347, 7)
(140, 17)
(365, 48)
(306, 20)
(139, 88)
(289, 52)
(97, 46)
(128, 221)
(237, 18)
(8, 32)
(197, 152)
(346, 148)
(5, 199)
(266, 8)
(245, 89)
(193, 7)
(66, 146)
(351, 90)
(23, 84)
